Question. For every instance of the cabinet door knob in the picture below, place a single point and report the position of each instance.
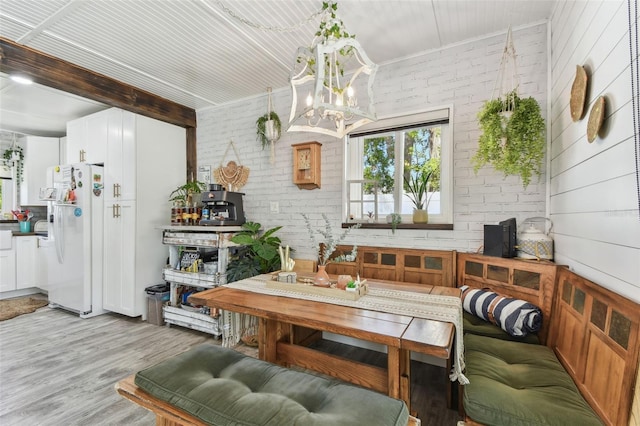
(82, 154)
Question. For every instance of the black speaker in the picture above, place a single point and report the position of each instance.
(500, 240)
(511, 236)
(493, 240)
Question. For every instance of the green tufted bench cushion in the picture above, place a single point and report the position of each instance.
(514, 383)
(223, 387)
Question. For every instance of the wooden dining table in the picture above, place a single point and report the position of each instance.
(287, 326)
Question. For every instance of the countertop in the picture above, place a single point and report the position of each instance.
(27, 234)
(200, 228)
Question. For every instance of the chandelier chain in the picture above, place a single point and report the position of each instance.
(267, 28)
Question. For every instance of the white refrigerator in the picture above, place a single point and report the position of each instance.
(75, 208)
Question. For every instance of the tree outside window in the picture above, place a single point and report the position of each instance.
(387, 163)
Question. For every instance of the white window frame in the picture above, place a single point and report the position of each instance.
(425, 117)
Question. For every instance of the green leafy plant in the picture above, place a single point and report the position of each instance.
(8, 157)
(261, 128)
(258, 255)
(330, 28)
(183, 193)
(417, 186)
(513, 145)
(396, 218)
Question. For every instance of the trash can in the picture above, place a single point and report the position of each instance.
(157, 295)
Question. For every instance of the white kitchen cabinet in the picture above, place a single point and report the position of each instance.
(8, 268)
(120, 293)
(26, 252)
(39, 153)
(120, 175)
(87, 139)
(145, 162)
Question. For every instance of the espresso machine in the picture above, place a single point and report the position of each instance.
(222, 207)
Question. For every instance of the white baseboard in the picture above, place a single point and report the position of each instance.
(19, 293)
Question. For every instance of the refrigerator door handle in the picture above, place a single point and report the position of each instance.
(58, 226)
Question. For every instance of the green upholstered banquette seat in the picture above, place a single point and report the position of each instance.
(221, 386)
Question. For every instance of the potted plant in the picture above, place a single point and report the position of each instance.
(513, 137)
(14, 157)
(417, 185)
(183, 195)
(258, 255)
(268, 128)
(326, 249)
(394, 219)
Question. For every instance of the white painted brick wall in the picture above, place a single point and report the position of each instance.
(462, 76)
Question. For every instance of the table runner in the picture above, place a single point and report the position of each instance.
(420, 305)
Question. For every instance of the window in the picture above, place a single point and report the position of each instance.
(383, 157)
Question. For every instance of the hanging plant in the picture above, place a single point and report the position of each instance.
(8, 160)
(267, 132)
(513, 137)
(269, 129)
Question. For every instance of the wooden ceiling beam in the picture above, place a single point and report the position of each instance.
(62, 75)
(59, 74)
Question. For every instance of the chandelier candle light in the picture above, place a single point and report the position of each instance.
(330, 104)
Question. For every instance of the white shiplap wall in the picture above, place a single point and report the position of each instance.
(462, 76)
(593, 200)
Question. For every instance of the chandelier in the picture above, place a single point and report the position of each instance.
(331, 81)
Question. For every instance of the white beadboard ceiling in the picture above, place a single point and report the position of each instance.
(194, 52)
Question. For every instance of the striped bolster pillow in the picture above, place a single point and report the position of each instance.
(516, 317)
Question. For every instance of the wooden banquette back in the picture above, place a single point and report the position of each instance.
(518, 278)
(415, 266)
(595, 334)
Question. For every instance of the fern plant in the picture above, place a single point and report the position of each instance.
(8, 158)
(512, 145)
(261, 128)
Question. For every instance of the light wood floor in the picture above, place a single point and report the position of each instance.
(57, 369)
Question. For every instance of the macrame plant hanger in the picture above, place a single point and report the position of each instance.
(271, 132)
(233, 176)
(506, 84)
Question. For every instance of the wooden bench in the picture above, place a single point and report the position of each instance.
(593, 332)
(213, 385)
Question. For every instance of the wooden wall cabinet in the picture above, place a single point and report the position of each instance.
(306, 164)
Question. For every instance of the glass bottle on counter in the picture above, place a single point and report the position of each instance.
(176, 214)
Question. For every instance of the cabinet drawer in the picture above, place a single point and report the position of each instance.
(190, 239)
(194, 279)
